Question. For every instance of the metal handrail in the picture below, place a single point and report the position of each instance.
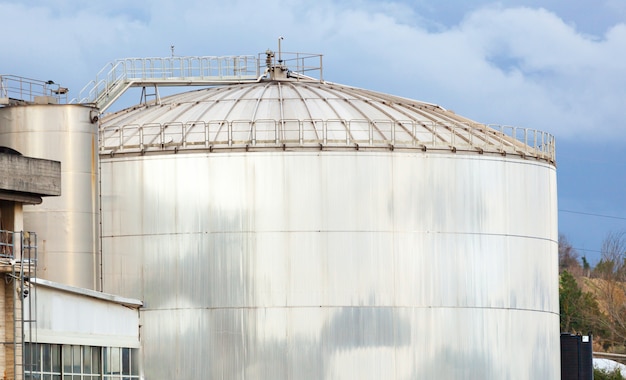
(115, 77)
(299, 63)
(337, 133)
(19, 247)
(22, 89)
(7, 244)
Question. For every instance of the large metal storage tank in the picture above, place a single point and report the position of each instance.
(298, 229)
(67, 226)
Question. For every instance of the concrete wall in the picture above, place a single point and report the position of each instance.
(29, 175)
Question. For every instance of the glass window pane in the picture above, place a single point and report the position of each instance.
(56, 358)
(125, 361)
(112, 360)
(76, 359)
(67, 360)
(134, 362)
(36, 357)
(106, 360)
(29, 349)
(87, 360)
(46, 358)
(95, 359)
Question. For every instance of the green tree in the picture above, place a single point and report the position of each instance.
(579, 310)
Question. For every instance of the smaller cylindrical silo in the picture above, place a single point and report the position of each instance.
(67, 226)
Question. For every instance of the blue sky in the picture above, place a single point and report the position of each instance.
(550, 65)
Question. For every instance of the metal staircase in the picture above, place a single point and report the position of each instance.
(118, 76)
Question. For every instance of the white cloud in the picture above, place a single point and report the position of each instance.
(575, 78)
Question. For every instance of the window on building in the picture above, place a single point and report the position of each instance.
(72, 362)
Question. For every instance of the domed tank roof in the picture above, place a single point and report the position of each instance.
(283, 112)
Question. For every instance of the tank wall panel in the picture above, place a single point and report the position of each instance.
(228, 270)
(381, 264)
(67, 226)
(353, 343)
(262, 194)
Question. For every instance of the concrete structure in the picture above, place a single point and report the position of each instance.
(23, 180)
(26, 180)
(44, 322)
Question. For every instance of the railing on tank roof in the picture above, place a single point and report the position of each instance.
(20, 90)
(338, 133)
(303, 64)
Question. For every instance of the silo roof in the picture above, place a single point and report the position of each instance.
(298, 114)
